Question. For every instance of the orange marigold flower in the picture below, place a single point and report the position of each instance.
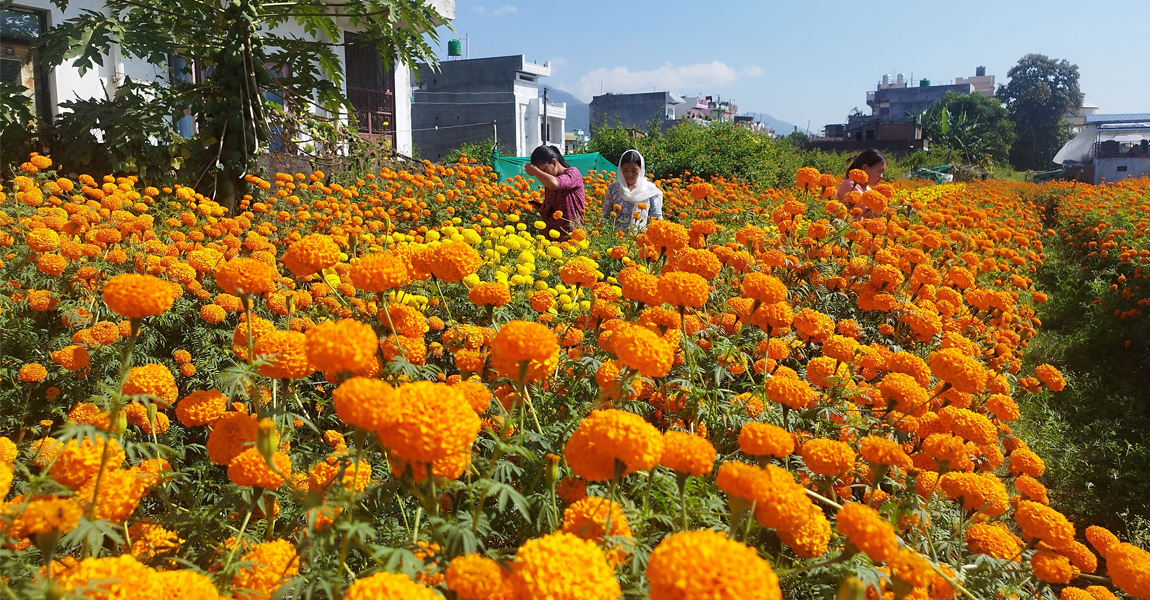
(241, 276)
(864, 527)
(520, 342)
(813, 325)
(346, 345)
(794, 393)
(111, 578)
(72, 358)
(1045, 523)
(992, 540)
(1051, 567)
(393, 586)
(962, 372)
(561, 566)
(911, 567)
(642, 350)
(265, 568)
(230, 436)
(977, 491)
(78, 461)
(683, 289)
(313, 253)
(1100, 538)
(1129, 568)
(434, 421)
(743, 481)
(286, 354)
(201, 407)
(579, 271)
(364, 402)
(705, 564)
(32, 373)
(764, 439)
(475, 577)
(250, 469)
(606, 436)
(477, 394)
(1080, 556)
(379, 272)
(1003, 407)
(46, 515)
(212, 313)
(51, 264)
(153, 379)
(827, 457)
(452, 261)
(1025, 462)
(588, 519)
(687, 453)
(1051, 377)
(490, 293)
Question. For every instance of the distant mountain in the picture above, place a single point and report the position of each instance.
(578, 112)
(778, 125)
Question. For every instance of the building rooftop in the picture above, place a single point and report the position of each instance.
(1118, 118)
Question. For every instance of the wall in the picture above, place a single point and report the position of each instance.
(912, 99)
(631, 110)
(1107, 168)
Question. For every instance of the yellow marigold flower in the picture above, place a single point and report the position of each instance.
(149, 540)
(201, 407)
(864, 527)
(311, 254)
(687, 453)
(112, 578)
(883, 451)
(794, 393)
(32, 373)
(1051, 567)
(153, 379)
(489, 293)
(286, 355)
(909, 397)
(828, 457)
(78, 461)
(1129, 568)
(764, 439)
(705, 564)
(683, 289)
(560, 566)
(345, 345)
(475, 577)
(270, 565)
(389, 586)
(364, 402)
(8, 450)
(1044, 523)
(241, 276)
(642, 350)
(250, 468)
(1051, 377)
(5, 479)
(606, 436)
(434, 421)
(1003, 407)
(230, 436)
(452, 261)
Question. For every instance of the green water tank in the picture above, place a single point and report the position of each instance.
(923, 83)
(454, 48)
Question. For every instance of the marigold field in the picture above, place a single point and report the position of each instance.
(405, 387)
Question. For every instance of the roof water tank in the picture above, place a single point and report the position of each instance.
(980, 72)
(454, 48)
(923, 83)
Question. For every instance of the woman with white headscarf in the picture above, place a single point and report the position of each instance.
(631, 199)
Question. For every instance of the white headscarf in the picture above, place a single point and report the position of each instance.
(643, 189)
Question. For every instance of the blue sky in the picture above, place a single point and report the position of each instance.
(815, 60)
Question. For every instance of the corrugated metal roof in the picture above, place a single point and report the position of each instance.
(1118, 118)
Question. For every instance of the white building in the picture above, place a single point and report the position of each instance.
(381, 94)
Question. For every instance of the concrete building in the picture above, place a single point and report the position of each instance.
(1108, 148)
(469, 101)
(633, 110)
(1077, 118)
(982, 83)
(371, 86)
(903, 103)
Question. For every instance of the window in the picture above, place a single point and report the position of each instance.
(869, 135)
(179, 70)
(370, 88)
(18, 30)
(1121, 168)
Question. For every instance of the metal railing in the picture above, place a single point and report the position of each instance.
(374, 112)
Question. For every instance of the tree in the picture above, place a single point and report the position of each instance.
(250, 72)
(1041, 92)
(978, 127)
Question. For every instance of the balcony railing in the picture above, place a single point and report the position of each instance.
(374, 112)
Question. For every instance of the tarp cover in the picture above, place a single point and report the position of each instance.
(510, 166)
(1080, 150)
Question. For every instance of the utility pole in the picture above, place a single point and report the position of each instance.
(495, 133)
(543, 130)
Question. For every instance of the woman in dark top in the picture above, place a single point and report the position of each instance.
(563, 190)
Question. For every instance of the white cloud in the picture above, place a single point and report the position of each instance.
(479, 9)
(506, 9)
(684, 79)
(557, 63)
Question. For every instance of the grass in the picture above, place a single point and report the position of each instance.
(1093, 434)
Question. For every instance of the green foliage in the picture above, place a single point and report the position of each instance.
(976, 127)
(17, 124)
(714, 149)
(1041, 92)
(480, 151)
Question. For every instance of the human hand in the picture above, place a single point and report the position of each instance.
(532, 170)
